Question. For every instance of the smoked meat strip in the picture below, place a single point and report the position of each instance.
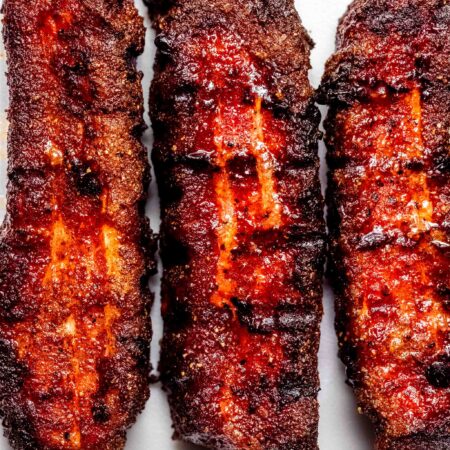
(75, 249)
(242, 238)
(389, 214)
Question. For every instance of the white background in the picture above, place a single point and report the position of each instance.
(341, 428)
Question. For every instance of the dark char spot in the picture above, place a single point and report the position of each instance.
(100, 413)
(86, 180)
(256, 323)
(292, 387)
(438, 374)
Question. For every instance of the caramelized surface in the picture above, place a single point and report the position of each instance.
(242, 234)
(74, 328)
(390, 207)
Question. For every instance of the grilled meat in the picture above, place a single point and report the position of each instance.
(75, 250)
(389, 200)
(242, 235)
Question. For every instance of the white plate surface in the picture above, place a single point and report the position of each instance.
(341, 428)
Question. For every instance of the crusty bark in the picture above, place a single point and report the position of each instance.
(75, 250)
(242, 234)
(389, 202)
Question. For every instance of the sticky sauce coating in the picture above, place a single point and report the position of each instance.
(247, 202)
(399, 321)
